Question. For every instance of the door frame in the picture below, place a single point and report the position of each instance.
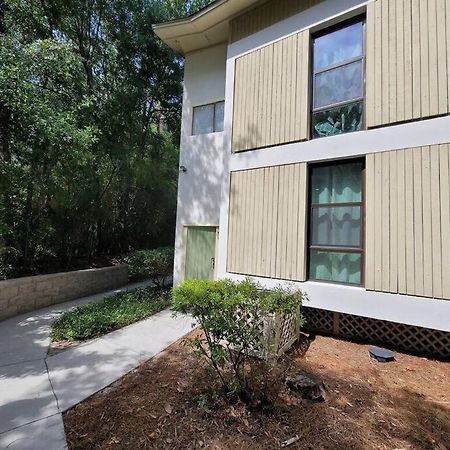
(184, 246)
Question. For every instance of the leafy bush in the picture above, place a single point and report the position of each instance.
(8, 260)
(155, 265)
(230, 314)
(110, 313)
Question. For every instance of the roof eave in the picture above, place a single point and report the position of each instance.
(207, 27)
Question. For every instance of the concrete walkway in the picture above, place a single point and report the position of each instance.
(36, 389)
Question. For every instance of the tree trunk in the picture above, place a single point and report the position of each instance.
(99, 236)
(28, 217)
(5, 120)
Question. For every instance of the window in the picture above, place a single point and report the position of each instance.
(208, 118)
(336, 222)
(338, 80)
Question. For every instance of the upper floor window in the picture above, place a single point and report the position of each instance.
(208, 118)
(338, 80)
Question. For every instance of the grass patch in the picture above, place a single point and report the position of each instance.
(109, 314)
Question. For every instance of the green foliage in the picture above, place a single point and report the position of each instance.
(230, 314)
(177, 8)
(90, 103)
(205, 401)
(8, 259)
(155, 265)
(109, 314)
(339, 120)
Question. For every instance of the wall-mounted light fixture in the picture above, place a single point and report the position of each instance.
(183, 169)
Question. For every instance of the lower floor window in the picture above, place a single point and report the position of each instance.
(336, 222)
(336, 266)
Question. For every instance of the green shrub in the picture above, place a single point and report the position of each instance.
(9, 259)
(109, 314)
(230, 314)
(156, 265)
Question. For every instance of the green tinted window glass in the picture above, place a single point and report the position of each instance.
(338, 120)
(335, 266)
(336, 184)
(336, 226)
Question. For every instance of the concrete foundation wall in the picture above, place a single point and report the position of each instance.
(27, 294)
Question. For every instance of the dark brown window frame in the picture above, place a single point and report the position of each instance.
(358, 19)
(213, 119)
(338, 249)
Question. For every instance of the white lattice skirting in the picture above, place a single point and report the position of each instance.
(397, 336)
(277, 333)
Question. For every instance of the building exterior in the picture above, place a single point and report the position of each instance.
(315, 153)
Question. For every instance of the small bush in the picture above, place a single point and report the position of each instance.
(156, 265)
(109, 314)
(9, 258)
(230, 314)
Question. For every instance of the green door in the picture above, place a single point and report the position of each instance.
(200, 253)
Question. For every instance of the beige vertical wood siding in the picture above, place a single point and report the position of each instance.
(265, 15)
(271, 94)
(408, 221)
(408, 60)
(267, 222)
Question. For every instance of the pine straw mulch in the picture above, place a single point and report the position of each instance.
(400, 405)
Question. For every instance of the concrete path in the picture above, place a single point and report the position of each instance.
(36, 389)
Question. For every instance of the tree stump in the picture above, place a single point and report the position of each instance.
(309, 386)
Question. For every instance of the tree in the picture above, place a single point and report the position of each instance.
(89, 129)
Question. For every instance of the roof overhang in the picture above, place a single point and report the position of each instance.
(207, 27)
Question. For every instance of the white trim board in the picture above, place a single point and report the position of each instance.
(315, 18)
(409, 310)
(395, 137)
(225, 182)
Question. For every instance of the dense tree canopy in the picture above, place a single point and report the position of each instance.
(89, 130)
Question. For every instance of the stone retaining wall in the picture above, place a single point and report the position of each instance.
(21, 295)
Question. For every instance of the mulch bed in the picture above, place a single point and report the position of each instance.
(400, 405)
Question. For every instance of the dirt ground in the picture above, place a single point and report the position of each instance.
(400, 405)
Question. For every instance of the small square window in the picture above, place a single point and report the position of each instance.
(203, 119)
(208, 118)
(219, 116)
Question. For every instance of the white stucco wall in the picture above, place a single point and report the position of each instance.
(199, 187)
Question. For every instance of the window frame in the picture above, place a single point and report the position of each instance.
(337, 249)
(214, 104)
(363, 58)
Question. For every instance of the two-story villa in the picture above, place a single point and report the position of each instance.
(315, 152)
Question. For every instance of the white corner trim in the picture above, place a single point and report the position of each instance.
(410, 310)
(225, 183)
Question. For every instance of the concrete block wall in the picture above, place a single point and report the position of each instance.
(21, 295)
